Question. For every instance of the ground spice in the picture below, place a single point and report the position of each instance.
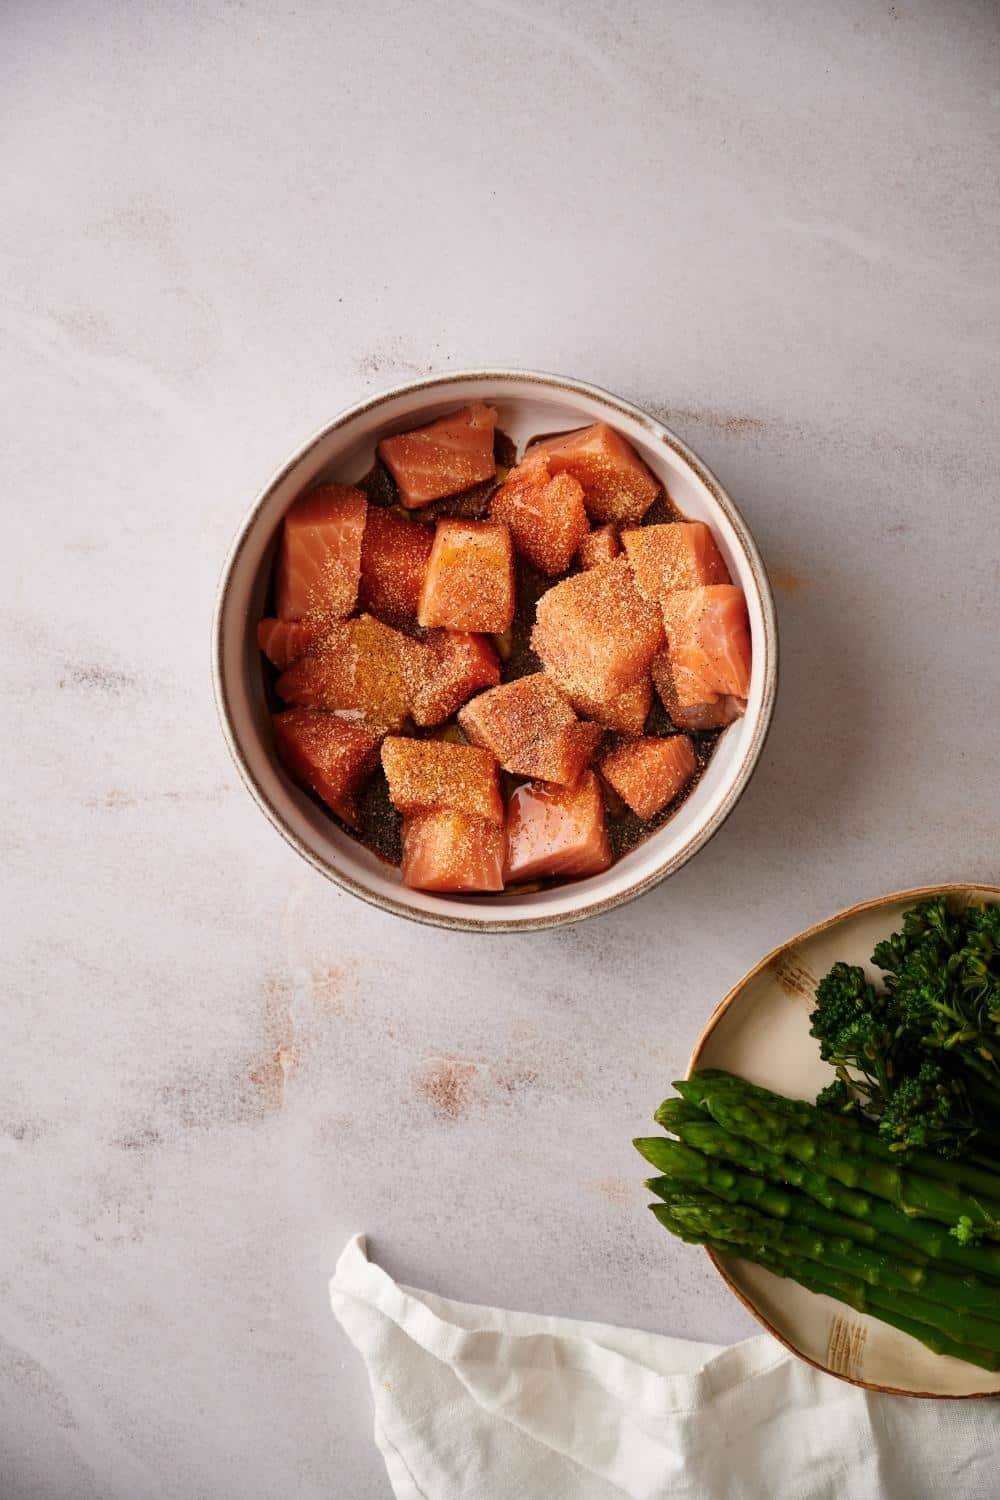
(380, 822)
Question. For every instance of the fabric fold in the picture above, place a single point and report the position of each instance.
(482, 1403)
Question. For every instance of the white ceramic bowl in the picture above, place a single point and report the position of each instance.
(528, 404)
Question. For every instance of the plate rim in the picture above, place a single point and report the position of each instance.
(914, 893)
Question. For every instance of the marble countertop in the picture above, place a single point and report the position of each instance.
(772, 224)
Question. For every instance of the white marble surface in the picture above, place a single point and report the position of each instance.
(774, 223)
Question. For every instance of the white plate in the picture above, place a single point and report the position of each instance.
(761, 1032)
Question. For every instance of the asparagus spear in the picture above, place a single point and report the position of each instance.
(908, 1190)
(958, 1314)
(865, 1299)
(964, 1295)
(856, 1294)
(680, 1163)
(870, 1216)
(853, 1133)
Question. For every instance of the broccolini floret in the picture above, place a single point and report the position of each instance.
(921, 1052)
(929, 1109)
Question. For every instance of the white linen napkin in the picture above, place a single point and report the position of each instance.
(482, 1404)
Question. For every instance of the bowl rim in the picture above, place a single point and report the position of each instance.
(913, 893)
(743, 772)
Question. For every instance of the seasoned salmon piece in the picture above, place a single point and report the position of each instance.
(649, 773)
(436, 776)
(718, 715)
(451, 851)
(627, 713)
(716, 712)
(394, 557)
(617, 486)
(454, 664)
(448, 456)
(677, 555)
(319, 556)
(595, 632)
(556, 831)
(708, 642)
(545, 514)
(531, 729)
(329, 755)
(599, 546)
(284, 641)
(362, 670)
(469, 583)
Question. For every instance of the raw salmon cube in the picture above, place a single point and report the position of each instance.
(531, 729)
(319, 557)
(649, 773)
(362, 670)
(329, 755)
(545, 514)
(284, 641)
(708, 642)
(716, 712)
(453, 665)
(448, 456)
(678, 555)
(394, 557)
(617, 486)
(599, 546)
(435, 776)
(470, 578)
(718, 715)
(451, 851)
(627, 713)
(556, 831)
(596, 633)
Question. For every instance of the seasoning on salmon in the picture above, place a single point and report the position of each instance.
(319, 557)
(595, 632)
(435, 776)
(627, 713)
(447, 456)
(284, 641)
(649, 773)
(329, 755)
(599, 546)
(452, 665)
(716, 712)
(452, 851)
(675, 555)
(394, 557)
(617, 485)
(545, 513)
(708, 642)
(401, 626)
(470, 582)
(531, 730)
(362, 669)
(556, 831)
